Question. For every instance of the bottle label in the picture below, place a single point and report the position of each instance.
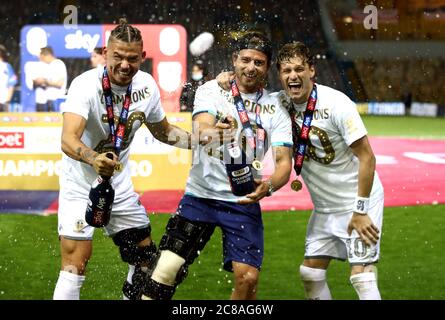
(241, 172)
(234, 152)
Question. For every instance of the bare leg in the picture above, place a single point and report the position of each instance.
(246, 280)
(75, 255)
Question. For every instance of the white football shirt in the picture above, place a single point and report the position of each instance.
(85, 98)
(330, 169)
(56, 71)
(208, 177)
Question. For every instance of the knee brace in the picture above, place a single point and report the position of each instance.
(169, 270)
(128, 240)
(186, 238)
(178, 248)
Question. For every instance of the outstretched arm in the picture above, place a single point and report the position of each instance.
(170, 134)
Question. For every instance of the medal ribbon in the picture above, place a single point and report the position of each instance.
(117, 136)
(301, 141)
(256, 144)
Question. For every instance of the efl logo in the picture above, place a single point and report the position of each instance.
(12, 140)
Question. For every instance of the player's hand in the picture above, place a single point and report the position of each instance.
(39, 82)
(103, 165)
(261, 191)
(224, 79)
(223, 131)
(365, 228)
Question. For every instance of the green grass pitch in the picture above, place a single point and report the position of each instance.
(410, 267)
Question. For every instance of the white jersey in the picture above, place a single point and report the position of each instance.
(85, 98)
(208, 177)
(34, 70)
(8, 80)
(56, 71)
(330, 169)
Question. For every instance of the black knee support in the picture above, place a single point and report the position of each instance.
(133, 291)
(158, 291)
(186, 238)
(127, 241)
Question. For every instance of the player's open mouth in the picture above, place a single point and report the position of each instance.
(124, 74)
(295, 86)
(250, 76)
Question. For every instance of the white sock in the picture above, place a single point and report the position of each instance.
(68, 286)
(129, 278)
(315, 285)
(365, 284)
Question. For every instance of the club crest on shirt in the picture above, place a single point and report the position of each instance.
(79, 225)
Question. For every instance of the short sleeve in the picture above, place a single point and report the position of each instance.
(348, 121)
(205, 99)
(281, 128)
(77, 100)
(156, 111)
(61, 72)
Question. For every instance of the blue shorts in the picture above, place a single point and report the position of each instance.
(241, 225)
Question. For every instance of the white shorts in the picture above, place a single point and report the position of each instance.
(125, 215)
(327, 237)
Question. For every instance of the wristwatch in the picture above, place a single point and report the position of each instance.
(271, 190)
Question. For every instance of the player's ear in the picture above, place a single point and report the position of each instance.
(312, 71)
(144, 54)
(234, 57)
(104, 53)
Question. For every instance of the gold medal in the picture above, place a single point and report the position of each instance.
(296, 185)
(257, 165)
(119, 166)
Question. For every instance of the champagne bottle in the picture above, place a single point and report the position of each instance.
(100, 201)
(238, 171)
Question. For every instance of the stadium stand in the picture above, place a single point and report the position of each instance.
(300, 21)
(362, 79)
(389, 80)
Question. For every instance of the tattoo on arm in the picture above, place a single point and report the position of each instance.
(87, 156)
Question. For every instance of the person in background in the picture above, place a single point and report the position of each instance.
(97, 59)
(8, 80)
(199, 76)
(53, 81)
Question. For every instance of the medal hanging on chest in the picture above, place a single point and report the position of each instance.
(239, 171)
(117, 135)
(101, 195)
(256, 143)
(301, 140)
